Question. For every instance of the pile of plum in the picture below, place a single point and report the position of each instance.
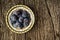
(20, 18)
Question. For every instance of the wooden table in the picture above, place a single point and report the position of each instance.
(47, 20)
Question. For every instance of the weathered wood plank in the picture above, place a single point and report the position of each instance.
(46, 27)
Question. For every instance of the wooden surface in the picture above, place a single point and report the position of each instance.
(47, 23)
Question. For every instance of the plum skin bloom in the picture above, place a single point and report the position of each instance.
(20, 18)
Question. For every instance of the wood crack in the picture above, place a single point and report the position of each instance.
(51, 18)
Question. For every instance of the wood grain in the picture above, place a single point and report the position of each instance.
(47, 20)
(54, 7)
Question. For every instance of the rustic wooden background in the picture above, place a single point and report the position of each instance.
(47, 23)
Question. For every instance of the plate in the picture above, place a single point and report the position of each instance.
(20, 19)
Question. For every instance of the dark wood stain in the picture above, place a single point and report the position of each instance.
(47, 20)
